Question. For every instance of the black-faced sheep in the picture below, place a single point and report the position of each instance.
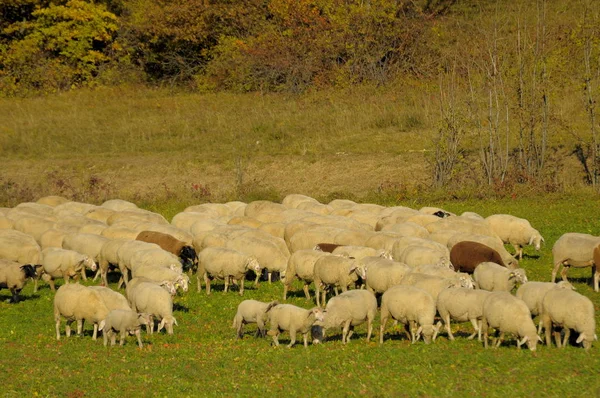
(185, 252)
(13, 276)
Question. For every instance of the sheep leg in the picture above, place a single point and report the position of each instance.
(547, 326)
(52, 285)
(484, 326)
(226, 282)
(566, 337)
(555, 271)
(122, 337)
(449, 330)
(242, 286)
(207, 283)
(139, 338)
(306, 292)
(285, 290)
(369, 329)
(57, 325)
(564, 271)
(256, 280)
(345, 331)
(305, 337)
(269, 276)
(113, 338)
(79, 327)
(83, 275)
(150, 325)
(596, 276)
(260, 325)
(292, 337)
(557, 338)
(199, 281)
(317, 292)
(382, 328)
(95, 333)
(499, 339)
(105, 338)
(350, 333)
(275, 334)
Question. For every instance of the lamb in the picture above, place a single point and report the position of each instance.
(123, 321)
(411, 306)
(495, 278)
(516, 231)
(532, 293)
(571, 310)
(150, 298)
(78, 303)
(433, 285)
(57, 263)
(508, 314)
(575, 250)
(431, 269)
(350, 309)
(383, 273)
(223, 263)
(88, 244)
(462, 304)
(301, 264)
(288, 317)
(184, 251)
(466, 256)
(158, 274)
(13, 277)
(334, 271)
(251, 311)
(415, 255)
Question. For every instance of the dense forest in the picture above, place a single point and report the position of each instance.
(516, 82)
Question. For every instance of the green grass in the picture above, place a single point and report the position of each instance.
(203, 358)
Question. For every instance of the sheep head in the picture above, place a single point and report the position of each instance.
(88, 263)
(252, 264)
(536, 240)
(169, 286)
(29, 271)
(183, 281)
(519, 275)
(168, 322)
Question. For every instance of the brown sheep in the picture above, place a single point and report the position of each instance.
(327, 247)
(186, 253)
(467, 255)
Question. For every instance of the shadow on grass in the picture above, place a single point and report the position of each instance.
(180, 308)
(8, 297)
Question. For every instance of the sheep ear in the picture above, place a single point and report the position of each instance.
(580, 338)
(531, 240)
(352, 269)
(175, 322)
(161, 325)
(540, 339)
(101, 324)
(525, 339)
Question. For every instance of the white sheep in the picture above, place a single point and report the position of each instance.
(383, 240)
(108, 256)
(532, 293)
(223, 263)
(34, 226)
(431, 284)
(335, 271)
(13, 276)
(288, 317)
(494, 278)
(301, 265)
(461, 224)
(268, 254)
(462, 305)
(88, 244)
(18, 246)
(571, 310)
(126, 251)
(159, 274)
(575, 250)
(516, 231)
(168, 286)
(403, 242)
(113, 300)
(79, 303)
(118, 205)
(120, 232)
(415, 255)
(508, 314)
(350, 309)
(152, 299)
(431, 269)
(407, 229)
(52, 200)
(251, 311)
(410, 306)
(382, 273)
(359, 252)
(125, 322)
(52, 238)
(63, 263)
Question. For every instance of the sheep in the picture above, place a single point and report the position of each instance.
(571, 310)
(382, 273)
(301, 264)
(78, 303)
(158, 274)
(224, 263)
(431, 284)
(293, 200)
(334, 271)
(348, 310)
(288, 317)
(268, 254)
(52, 200)
(34, 226)
(575, 250)
(508, 314)
(516, 231)
(495, 278)
(492, 242)
(123, 321)
(185, 252)
(88, 244)
(138, 215)
(471, 214)
(415, 255)
(359, 252)
(127, 250)
(383, 240)
(120, 232)
(263, 206)
(462, 304)
(166, 229)
(6, 223)
(118, 205)
(310, 236)
(13, 277)
(532, 293)
(403, 242)
(466, 256)
(18, 246)
(461, 224)
(168, 286)
(152, 299)
(411, 306)
(107, 257)
(113, 300)
(188, 221)
(52, 238)
(63, 263)
(251, 311)
(431, 269)
(407, 229)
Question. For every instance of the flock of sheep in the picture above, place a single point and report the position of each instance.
(415, 266)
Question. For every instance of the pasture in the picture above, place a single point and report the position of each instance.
(203, 358)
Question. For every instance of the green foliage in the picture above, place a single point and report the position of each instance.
(63, 46)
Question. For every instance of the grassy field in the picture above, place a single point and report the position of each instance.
(165, 151)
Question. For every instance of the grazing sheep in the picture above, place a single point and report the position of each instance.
(461, 224)
(52, 238)
(125, 322)
(404, 242)
(137, 215)
(167, 285)
(350, 309)
(125, 253)
(492, 242)
(360, 252)
(268, 254)
(462, 304)
(159, 274)
(256, 207)
(335, 271)
(466, 256)
(185, 252)
(410, 306)
(570, 310)
(310, 236)
(415, 255)
(495, 278)
(431, 284)
(383, 273)
(57, 263)
(407, 229)
(575, 250)
(19, 247)
(532, 293)
(113, 300)
(508, 314)
(301, 265)
(383, 240)
(431, 269)
(225, 264)
(33, 225)
(88, 244)
(152, 299)
(516, 231)
(251, 311)
(78, 303)
(13, 277)
(154, 257)
(288, 317)
(120, 232)
(108, 257)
